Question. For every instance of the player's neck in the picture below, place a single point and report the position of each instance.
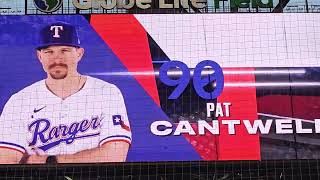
(66, 87)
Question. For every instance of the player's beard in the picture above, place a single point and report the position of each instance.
(58, 74)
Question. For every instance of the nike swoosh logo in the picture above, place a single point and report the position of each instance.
(68, 178)
(37, 110)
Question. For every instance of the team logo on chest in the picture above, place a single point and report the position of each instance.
(47, 136)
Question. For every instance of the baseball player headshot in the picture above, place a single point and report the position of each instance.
(67, 117)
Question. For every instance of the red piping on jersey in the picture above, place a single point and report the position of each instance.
(12, 149)
(118, 140)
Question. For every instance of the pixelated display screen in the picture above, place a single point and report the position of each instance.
(142, 88)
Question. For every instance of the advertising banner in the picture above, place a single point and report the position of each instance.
(145, 88)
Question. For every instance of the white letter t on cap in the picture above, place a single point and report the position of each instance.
(56, 30)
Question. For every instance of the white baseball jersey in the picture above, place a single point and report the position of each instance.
(36, 118)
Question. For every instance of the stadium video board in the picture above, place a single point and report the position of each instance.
(145, 88)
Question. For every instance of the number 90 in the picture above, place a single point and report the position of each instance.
(199, 82)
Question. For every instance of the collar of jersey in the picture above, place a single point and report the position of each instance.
(78, 93)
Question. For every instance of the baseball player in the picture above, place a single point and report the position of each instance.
(67, 117)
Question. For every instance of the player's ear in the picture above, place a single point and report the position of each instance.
(39, 55)
(80, 52)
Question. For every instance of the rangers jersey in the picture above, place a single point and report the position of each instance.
(35, 118)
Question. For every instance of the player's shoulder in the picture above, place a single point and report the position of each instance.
(28, 91)
(106, 87)
(35, 86)
(39, 85)
(98, 83)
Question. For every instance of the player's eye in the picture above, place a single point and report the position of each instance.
(48, 52)
(66, 50)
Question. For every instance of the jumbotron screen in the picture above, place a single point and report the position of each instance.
(148, 88)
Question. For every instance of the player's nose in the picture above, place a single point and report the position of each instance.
(57, 56)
